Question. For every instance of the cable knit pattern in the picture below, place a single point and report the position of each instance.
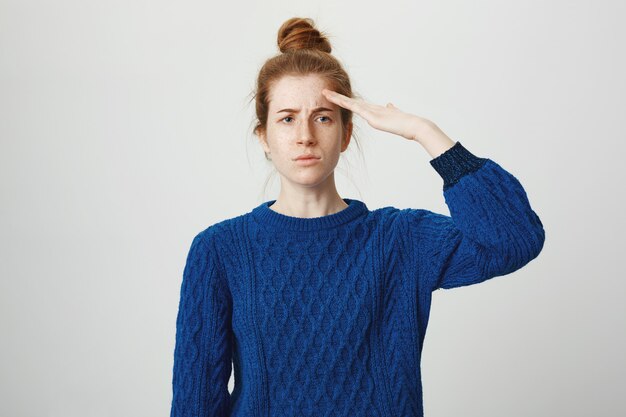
(326, 316)
(202, 364)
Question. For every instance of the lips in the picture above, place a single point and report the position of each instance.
(307, 156)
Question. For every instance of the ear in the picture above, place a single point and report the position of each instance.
(263, 141)
(346, 139)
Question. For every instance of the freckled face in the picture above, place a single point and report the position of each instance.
(300, 120)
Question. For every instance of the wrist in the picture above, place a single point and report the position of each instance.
(422, 128)
(433, 139)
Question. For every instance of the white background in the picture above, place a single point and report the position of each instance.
(125, 129)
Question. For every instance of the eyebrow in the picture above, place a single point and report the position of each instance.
(297, 111)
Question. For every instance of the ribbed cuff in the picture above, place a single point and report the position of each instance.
(455, 163)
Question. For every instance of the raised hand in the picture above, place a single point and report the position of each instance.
(386, 118)
(391, 119)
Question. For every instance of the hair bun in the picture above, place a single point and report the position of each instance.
(300, 33)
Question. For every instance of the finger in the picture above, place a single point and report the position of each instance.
(335, 96)
(340, 99)
(358, 106)
(329, 94)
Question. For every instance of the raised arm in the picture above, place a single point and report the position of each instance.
(492, 229)
(202, 355)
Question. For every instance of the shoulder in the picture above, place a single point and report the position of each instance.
(217, 244)
(403, 218)
(218, 234)
(414, 227)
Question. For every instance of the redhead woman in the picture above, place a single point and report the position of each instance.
(318, 303)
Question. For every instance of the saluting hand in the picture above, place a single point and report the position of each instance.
(386, 118)
(393, 120)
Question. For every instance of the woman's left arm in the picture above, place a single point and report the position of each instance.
(492, 229)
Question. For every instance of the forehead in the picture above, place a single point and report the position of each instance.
(298, 91)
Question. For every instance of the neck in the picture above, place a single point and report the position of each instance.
(265, 215)
(309, 206)
(297, 200)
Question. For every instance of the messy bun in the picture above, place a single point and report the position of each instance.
(300, 33)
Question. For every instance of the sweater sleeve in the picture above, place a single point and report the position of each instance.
(202, 354)
(492, 230)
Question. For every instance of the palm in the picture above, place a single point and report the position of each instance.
(386, 118)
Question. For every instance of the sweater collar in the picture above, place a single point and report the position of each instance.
(265, 215)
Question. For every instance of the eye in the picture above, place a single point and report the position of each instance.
(321, 117)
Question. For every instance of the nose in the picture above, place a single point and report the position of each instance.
(305, 133)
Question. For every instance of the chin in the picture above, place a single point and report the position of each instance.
(309, 182)
(308, 179)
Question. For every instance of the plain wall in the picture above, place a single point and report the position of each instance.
(125, 129)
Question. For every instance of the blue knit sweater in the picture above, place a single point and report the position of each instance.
(326, 316)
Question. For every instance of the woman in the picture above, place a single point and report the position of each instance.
(320, 303)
